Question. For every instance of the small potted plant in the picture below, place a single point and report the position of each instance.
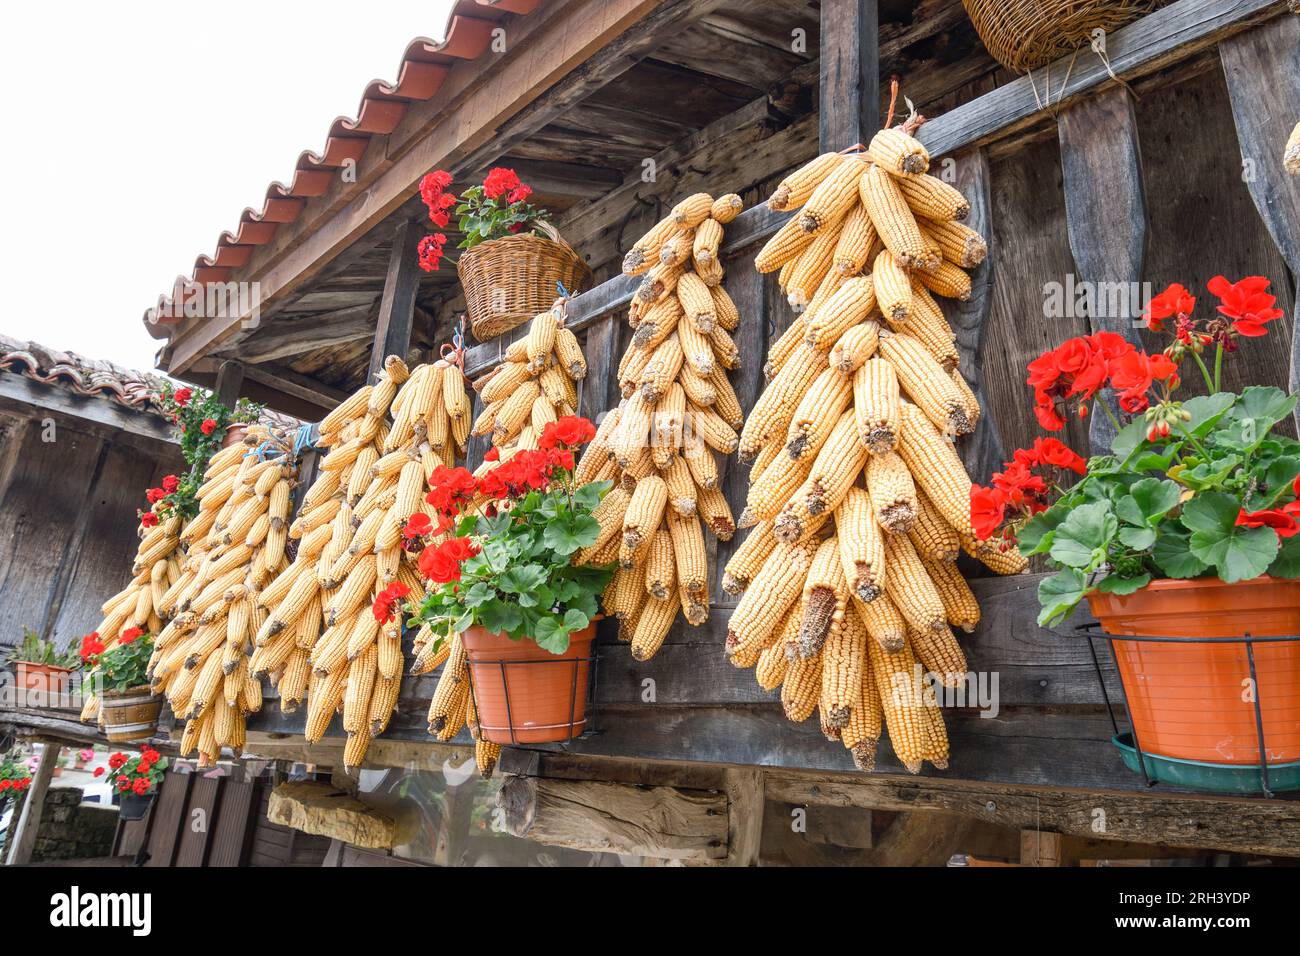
(135, 780)
(502, 576)
(43, 671)
(513, 258)
(129, 709)
(15, 775)
(1188, 529)
(84, 756)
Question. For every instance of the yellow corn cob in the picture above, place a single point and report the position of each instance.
(540, 341)
(659, 283)
(708, 237)
(939, 653)
(901, 703)
(854, 347)
(853, 301)
(893, 219)
(771, 414)
(681, 487)
(353, 591)
(862, 733)
(898, 153)
(451, 684)
(947, 280)
(825, 598)
(990, 553)
(801, 688)
(702, 465)
(910, 588)
(383, 699)
(724, 309)
(645, 512)
(558, 387)
(885, 623)
(660, 578)
(834, 196)
(959, 603)
(653, 625)
(716, 513)
(843, 662)
(689, 553)
(513, 412)
(862, 547)
(568, 354)
(708, 426)
(697, 301)
(712, 273)
(293, 681)
(893, 285)
(726, 404)
(662, 369)
(696, 349)
(793, 191)
(432, 655)
(811, 268)
(666, 425)
(856, 239)
(785, 345)
(659, 321)
(932, 198)
(692, 210)
(609, 514)
(968, 396)
(786, 244)
(699, 390)
(957, 243)
(773, 662)
(893, 493)
(932, 536)
(748, 558)
(677, 249)
(633, 433)
(926, 382)
(646, 251)
(774, 488)
(935, 467)
(816, 414)
(833, 473)
(928, 326)
(774, 589)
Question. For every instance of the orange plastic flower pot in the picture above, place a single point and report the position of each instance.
(525, 695)
(1195, 701)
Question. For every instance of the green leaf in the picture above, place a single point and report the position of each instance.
(1235, 552)
(1129, 438)
(1154, 497)
(1287, 562)
(551, 634)
(575, 620)
(1058, 595)
(1206, 410)
(1264, 402)
(1138, 539)
(590, 495)
(500, 617)
(1154, 461)
(477, 595)
(1081, 539)
(1036, 535)
(1114, 584)
(522, 579)
(1278, 478)
(1212, 511)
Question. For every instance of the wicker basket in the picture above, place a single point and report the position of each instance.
(1025, 34)
(508, 281)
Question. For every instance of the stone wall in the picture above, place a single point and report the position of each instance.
(69, 831)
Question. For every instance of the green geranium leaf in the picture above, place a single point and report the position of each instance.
(575, 620)
(1154, 497)
(1129, 438)
(1287, 562)
(1154, 461)
(1213, 511)
(1237, 554)
(1081, 539)
(1138, 539)
(1114, 584)
(591, 494)
(500, 617)
(1058, 595)
(1278, 478)
(477, 595)
(551, 634)
(1206, 410)
(1036, 536)
(1264, 402)
(522, 578)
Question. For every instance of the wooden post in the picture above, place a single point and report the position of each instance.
(397, 305)
(1263, 78)
(29, 820)
(850, 73)
(1106, 218)
(1040, 848)
(230, 379)
(744, 817)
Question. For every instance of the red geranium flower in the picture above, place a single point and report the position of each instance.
(117, 760)
(387, 601)
(493, 454)
(430, 251)
(1276, 518)
(154, 495)
(500, 180)
(144, 765)
(1174, 301)
(570, 430)
(182, 396)
(170, 484)
(129, 635)
(1133, 374)
(148, 519)
(91, 646)
(99, 771)
(442, 564)
(519, 194)
(1246, 302)
(209, 426)
(987, 509)
(1051, 451)
(141, 786)
(450, 489)
(417, 526)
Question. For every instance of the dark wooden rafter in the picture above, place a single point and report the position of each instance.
(1106, 218)
(397, 306)
(850, 73)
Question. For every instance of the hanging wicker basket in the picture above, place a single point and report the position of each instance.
(508, 281)
(1023, 35)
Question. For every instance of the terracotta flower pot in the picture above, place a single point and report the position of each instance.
(130, 714)
(43, 685)
(1191, 700)
(525, 695)
(234, 435)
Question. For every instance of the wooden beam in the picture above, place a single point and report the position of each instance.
(921, 839)
(230, 379)
(293, 335)
(103, 414)
(319, 808)
(29, 820)
(557, 58)
(1263, 78)
(1040, 848)
(1106, 218)
(397, 306)
(659, 822)
(850, 73)
(744, 790)
(296, 385)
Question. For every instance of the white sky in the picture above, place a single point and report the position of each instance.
(135, 133)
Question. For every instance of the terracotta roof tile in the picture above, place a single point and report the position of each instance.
(420, 75)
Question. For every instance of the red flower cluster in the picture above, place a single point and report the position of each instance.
(91, 648)
(1246, 302)
(18, 785)
(148, 519)
(388, 600)
(208, 426)
(500, 181)
(154, 495)
(1017, 487)
(1175, 301)
(117, 760)
(430, 251)
(1284, 520)
(129, 635)
(170, 484)
(450, 490)
(442, 564)
(1080, 367)
(182, 396)
(432, 188)
(1133, 374)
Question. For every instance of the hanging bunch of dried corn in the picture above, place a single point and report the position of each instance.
(235, 548)
(678, 413)
(858, 501)
(156, 568)
(332, 629)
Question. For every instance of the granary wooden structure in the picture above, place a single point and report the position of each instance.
(1155, 161)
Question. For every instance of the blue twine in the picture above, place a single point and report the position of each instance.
(304, 439)
(561, 291)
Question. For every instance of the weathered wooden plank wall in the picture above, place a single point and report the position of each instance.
(67, 523)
